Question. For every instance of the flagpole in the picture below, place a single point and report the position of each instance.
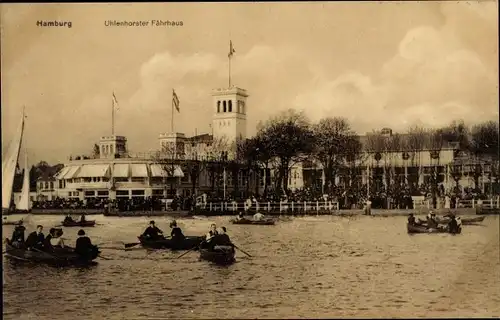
(229, 71)
(112, 116)
(172, 120)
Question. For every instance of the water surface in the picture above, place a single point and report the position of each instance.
(307, 267)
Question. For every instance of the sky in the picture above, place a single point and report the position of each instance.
(378, 64)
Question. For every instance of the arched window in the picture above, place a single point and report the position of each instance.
(224, 106)
(230, 106)
(218, 106)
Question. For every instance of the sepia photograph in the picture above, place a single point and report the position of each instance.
(250, 160)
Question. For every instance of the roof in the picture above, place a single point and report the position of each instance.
(206, 138)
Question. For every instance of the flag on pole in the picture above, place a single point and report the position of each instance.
(115, 102)
(175, 100)
(231, 49)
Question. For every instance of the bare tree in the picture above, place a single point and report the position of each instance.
(291, 141)
(334, 142)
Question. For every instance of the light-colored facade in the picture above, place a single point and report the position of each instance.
(118, 174)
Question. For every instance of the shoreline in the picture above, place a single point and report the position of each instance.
(343, 212)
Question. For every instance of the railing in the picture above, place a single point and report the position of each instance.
(282, 206)
(473, 203)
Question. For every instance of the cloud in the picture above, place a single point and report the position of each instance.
(432, 79)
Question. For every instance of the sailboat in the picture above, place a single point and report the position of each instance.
(24, 202)
(9, 168)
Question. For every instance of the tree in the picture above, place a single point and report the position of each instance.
(96, 151)
(484, 139)
(291, 141)
(435, 144)
(334, 142)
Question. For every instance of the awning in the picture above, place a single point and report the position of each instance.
(94, 171)
(72, 171)
(139, 170)
(158, 170)
(121, 170)
(62, 173)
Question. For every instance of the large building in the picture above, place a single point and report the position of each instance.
(176, 167)
(115, 173)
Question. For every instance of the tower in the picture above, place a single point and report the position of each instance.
(112, 147)
(230, 114)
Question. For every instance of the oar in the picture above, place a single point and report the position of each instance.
(196, 247)
(133, 244)
(99, 255)
(242, 250)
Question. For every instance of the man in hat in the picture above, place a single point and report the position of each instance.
(35, 239)
(152, 232)
(83, 245)
(18, 235)
(176, 232)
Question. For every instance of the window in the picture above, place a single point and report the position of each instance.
(122, 193)
(137, 179)
(157, 192)
(224, 106)
(218, 106)
(156, 180)
(230, 106)
(138, 192)
(102, 193)
(89, 193)
(121, 179)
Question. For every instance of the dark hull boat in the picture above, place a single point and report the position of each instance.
(254, 222)
(89, 223)
(221, 255)
(188, 243)
(10, 223)
(465, 221)
(60, 257)
(424, 229)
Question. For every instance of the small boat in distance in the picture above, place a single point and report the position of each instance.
(86, 223)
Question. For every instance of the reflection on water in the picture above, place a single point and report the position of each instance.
(307, 267)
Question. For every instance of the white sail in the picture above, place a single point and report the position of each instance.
(24, 202)
(9, 166)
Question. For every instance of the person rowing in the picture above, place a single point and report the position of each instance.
(431, 221)
(68, 218)
(152, 232)
(83, 246)
(176, 232)
(452, 225)
(57, 240)
(47, 244)
(17, 239)
(207, 243)
(240, 217)
(223, 238)
(82, 217)
(258, 216)
(411, 220)
(35, 239)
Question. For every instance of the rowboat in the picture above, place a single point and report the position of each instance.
(473, 220)
(267, 222)
(87, 223)
(188, 243)
(10, 223)
(487, 211)
(423, 229)
(222, 255)
(60, 257)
